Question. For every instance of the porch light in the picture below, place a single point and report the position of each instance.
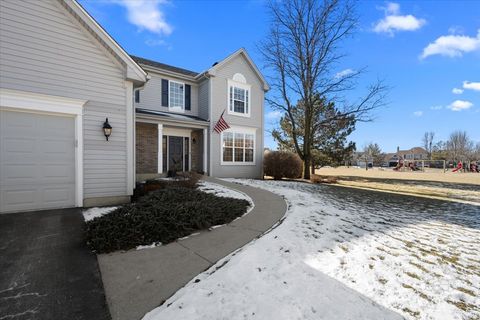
(107, 128)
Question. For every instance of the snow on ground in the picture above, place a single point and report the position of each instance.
(221, 191)
(92, 213)
(338, 247)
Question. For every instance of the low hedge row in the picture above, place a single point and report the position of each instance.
(161, 216)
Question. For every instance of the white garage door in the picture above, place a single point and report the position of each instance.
(37, 161)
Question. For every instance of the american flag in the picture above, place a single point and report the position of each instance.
(221, 124)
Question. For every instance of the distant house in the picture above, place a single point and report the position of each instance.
(416, 153)
(360, 160)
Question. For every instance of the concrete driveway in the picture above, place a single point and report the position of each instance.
(46, 271)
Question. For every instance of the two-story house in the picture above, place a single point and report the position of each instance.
(177, 109)
(413, 154)
(62, 75)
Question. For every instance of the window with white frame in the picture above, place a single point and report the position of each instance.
(238, 98)
(238, 147)
(176, 95)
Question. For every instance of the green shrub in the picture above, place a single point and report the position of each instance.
(161, 216)
(182, 180)
(282, 164)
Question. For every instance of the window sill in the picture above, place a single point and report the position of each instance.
(223, 163)
(238, 114)
(176, 110)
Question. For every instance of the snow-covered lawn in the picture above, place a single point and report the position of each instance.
(417, 257)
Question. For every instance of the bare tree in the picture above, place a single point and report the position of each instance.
(476, 152)
(427, 141)
(302, 50)
(459, 146)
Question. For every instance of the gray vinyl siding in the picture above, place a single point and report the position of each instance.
(219, 103)
(151, 94)
(203, 94)
(44, 50)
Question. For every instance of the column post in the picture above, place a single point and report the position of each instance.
(160, 149)
(205, 150)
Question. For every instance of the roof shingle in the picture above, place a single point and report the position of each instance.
(163, 66)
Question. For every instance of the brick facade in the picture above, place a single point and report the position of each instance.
(146, 148)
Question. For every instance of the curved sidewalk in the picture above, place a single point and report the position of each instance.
(138, 281)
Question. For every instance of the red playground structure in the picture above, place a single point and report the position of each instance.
(459, 167)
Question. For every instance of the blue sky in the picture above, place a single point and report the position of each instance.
(424, 50)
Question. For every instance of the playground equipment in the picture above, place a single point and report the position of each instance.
(474, 167)
(459, 167)
(420, 165)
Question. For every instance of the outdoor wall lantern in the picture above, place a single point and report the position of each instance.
(107, 128)
(194, 141)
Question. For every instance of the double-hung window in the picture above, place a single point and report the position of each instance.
(238, 99)
(238, 147)
(176, 95)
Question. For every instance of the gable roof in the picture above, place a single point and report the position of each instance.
(163, 66)
(243, 52)
(133, 71)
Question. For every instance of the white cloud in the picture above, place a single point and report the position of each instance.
(471, 85)
(452, 46)
(418, 113)
(147, 15)
(392, 8)
(457, 91)
(459, 105)
(158, 43)
(456, 30)
(393, 21)
(274, 115)
(436, 108)
(344, 73)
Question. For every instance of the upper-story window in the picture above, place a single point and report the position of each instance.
(176, 95)
(238, 96)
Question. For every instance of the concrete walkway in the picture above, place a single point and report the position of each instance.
(137, 281)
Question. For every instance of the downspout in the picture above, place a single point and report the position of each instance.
(148, 77)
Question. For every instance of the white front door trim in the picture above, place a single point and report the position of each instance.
(16, 100)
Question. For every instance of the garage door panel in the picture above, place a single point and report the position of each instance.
(18, 172)
(54, 196)
(17, 145)
(20, 196)
(59, 171)
(37, 161)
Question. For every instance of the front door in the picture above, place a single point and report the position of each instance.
(175, 153)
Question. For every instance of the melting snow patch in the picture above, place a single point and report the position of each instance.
(149, 246)
(95, 212)
(221, 191)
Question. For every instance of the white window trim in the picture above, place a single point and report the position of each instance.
(176, 109)
(16, 100)
(243, 130)
(246, 87)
